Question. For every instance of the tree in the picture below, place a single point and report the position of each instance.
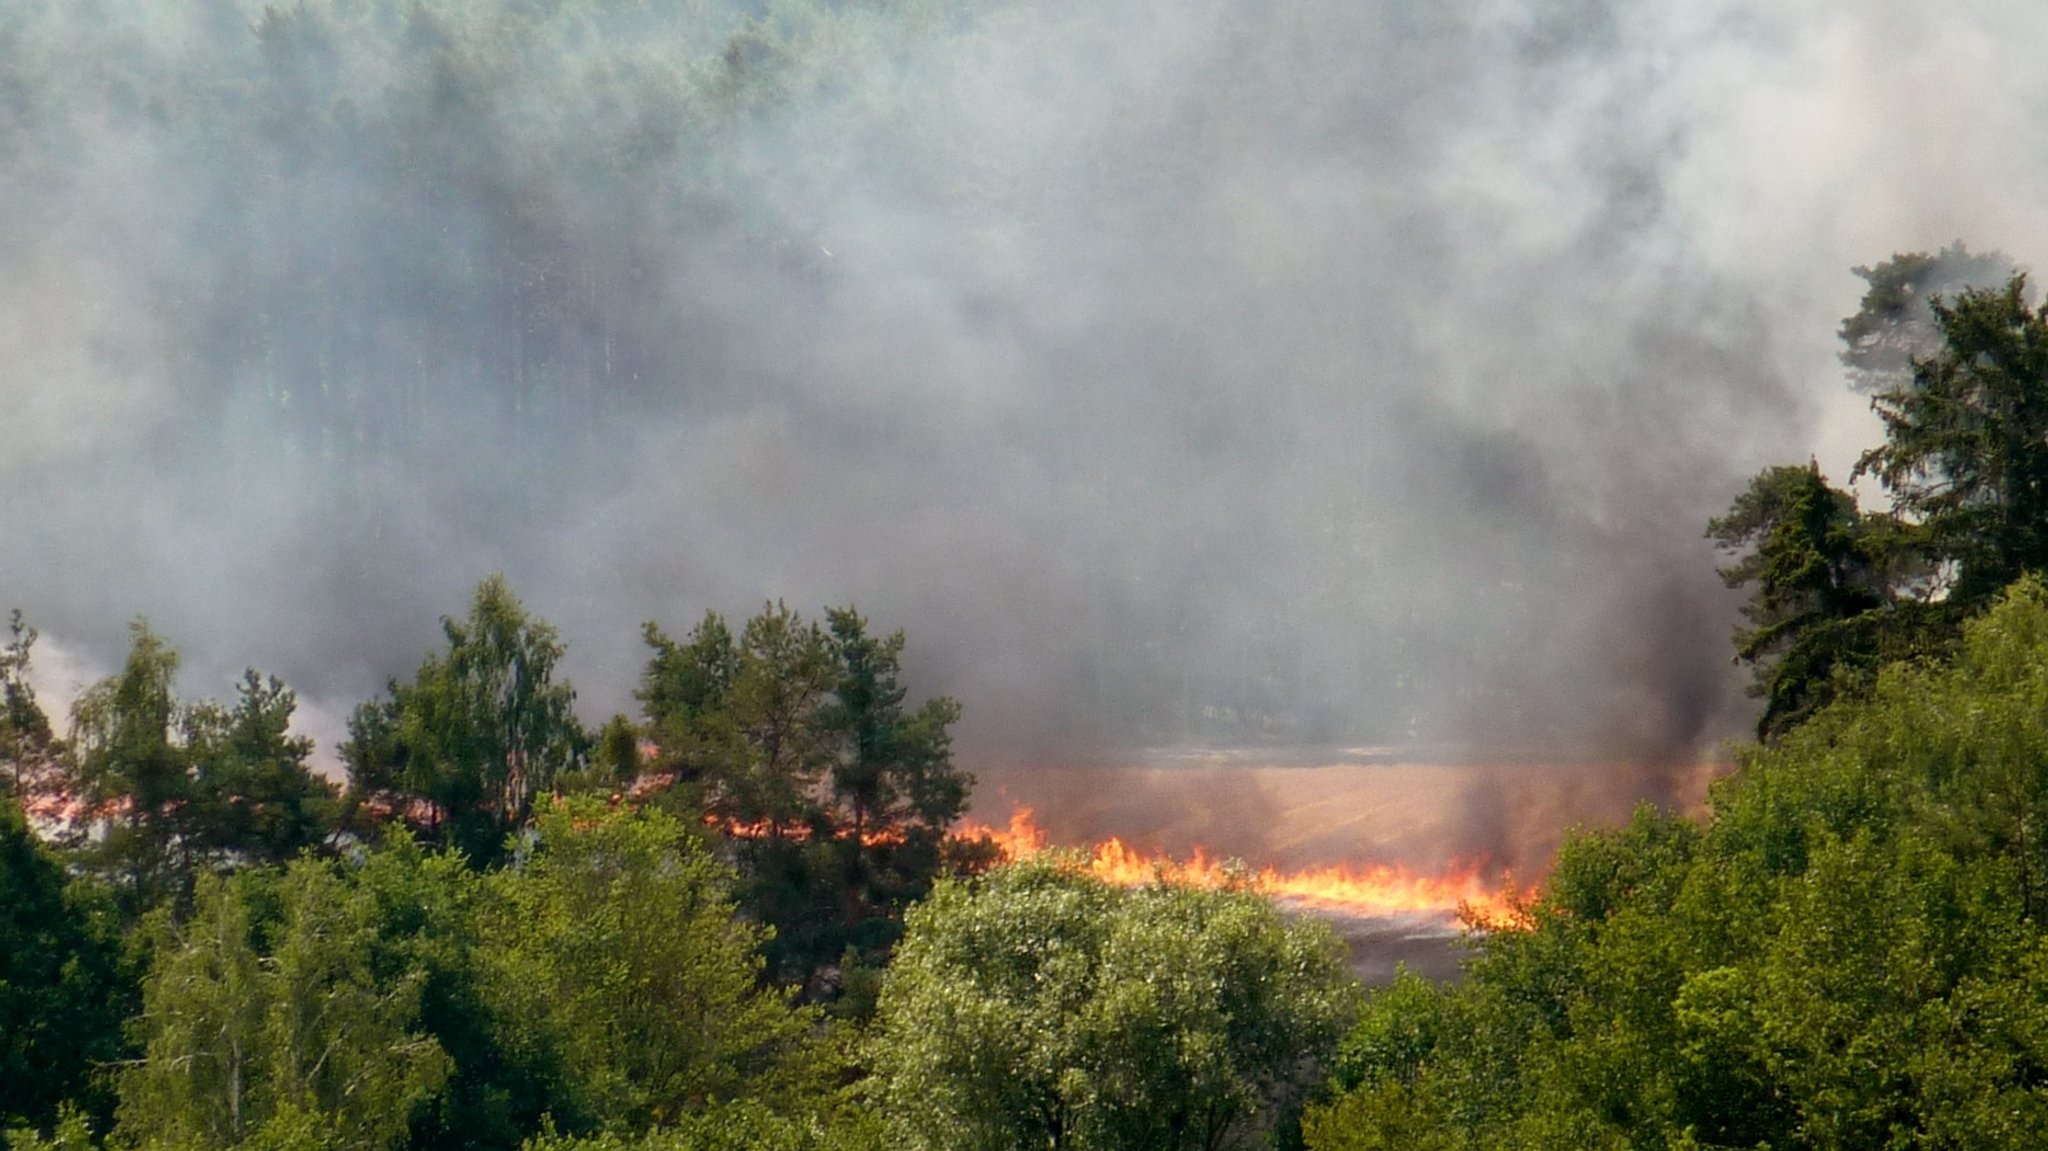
(1042, 1008)
(256, 798)
(1965, 455)
(30, 752)
(63, 989)
(253, 1030)
(833, 794)
(784, 678)
(133, 776)
(1825, 575)
(180, 787)
(1895, 325)
(744, 1125)
(1849, 954)
(428, 907)
(616, 959)
(894, 787)
(480, 731)
(893, 770)
(1962, 388)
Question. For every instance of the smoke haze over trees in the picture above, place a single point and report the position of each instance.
(1196, 372)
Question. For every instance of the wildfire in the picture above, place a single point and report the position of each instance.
(1376, 890)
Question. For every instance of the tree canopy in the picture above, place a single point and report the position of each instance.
(1960, 382)
(162, 790)
(1039, 1007)
(30, 752)
(1966, 441)
(463, 749)
(832, 792)
(1847, 955)
(62, 981)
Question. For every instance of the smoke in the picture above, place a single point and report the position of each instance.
(1208, 372)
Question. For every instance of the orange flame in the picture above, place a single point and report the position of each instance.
(1370, 891)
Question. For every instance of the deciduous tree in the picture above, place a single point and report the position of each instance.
(1041, 1008)
(63, 987)
(614, 953)
(253, 1031)
(482, 729)
(30, 752)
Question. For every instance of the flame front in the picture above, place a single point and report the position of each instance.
(1375, 891)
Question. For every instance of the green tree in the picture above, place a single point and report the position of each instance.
(1825, 611)
(1895, 325)
(256, 798)
(428, 910)
(745, 1125)
(133, 775)
(480, 731)
(30, 752)
(893, 770)
(72, 1133)
(1849, 954)
(260, 1031)
(63, 986)
(615, 958)
(1961, 385)
(1040, 1008)
(894, 789)
(685, 693)
(176, 788)
(1965, 455)
(798, 745)
(742, 719)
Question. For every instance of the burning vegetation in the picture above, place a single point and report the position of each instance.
(1370, 891)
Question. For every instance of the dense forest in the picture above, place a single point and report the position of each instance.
(740, 919)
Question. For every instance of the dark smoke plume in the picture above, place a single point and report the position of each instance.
(1213, 372)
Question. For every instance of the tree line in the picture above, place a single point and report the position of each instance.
(739, 919)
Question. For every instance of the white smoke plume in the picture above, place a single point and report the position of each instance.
(1207, 372)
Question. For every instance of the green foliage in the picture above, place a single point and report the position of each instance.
(30, 752)
(1825, 608)
(1966, 441)
(63, 986)
(613, 955)
(1895, 324)
(1849, 955)
(255, 798)
(427, 911)
(1961, 385)
(132, 773)
(1042, 1008)
(833, 794)
(893, 768)
(173, 789)
(278, 1033)
(463, 749)
(616, 759)
(72, 1133)
(740, 1126)
(402, 999)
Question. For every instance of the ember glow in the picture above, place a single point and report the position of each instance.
(1379, 890)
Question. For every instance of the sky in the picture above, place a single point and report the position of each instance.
(1207, 374)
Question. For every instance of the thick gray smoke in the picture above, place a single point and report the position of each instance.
(1204, 372)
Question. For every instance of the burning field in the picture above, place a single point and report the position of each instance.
(1398, 856)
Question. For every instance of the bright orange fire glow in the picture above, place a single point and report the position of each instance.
(1375, 890)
